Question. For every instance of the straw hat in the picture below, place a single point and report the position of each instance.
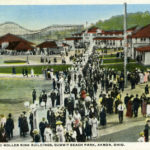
(58, 123)
(35, 131)
(2, 115)
(141, 133)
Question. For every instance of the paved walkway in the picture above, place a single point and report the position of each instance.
(41, 112)
(112, 120)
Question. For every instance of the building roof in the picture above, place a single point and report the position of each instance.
(110, 32)
(107, 38)
(143, 49)
(92, 30)
(48, 44)
(19, 45)
(13, 38)
(65, 45)
(73, 38)
(131, 29)
(143, 32)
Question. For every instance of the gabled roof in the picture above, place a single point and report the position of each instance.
(73, 38)
(143, 49)
(19, 45)
(131, 29)
(107, 38)
(12, 38)
(92, 30)
(143, 32)
(65, 45)
(48, 44)
(110, 32)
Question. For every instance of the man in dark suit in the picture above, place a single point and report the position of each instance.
(49, 116)
(80, 133)
(146, 131)
(44, 97)
(34, 95)
(20, 119)
(24, 125)
(126, 99)
(31, 123)
(53, 98)
(42, 126)
(88, 127)
(9, 127)
(136, 103)
(54, 84)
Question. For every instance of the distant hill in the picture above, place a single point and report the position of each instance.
(13, 28)
(37, 36)
(116, 22)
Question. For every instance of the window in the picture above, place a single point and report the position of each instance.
(113, 42)
(121, 43)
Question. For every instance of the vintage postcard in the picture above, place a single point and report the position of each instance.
(74, 75)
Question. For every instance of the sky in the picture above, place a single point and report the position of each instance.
(39, 16)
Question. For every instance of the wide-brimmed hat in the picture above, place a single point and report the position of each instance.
(58, 122)
(35, 131)
(141, 133)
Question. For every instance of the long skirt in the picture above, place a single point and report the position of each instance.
(144, 108)
(94, 131)
(129, 111)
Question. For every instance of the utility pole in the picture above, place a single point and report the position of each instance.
(125, 44)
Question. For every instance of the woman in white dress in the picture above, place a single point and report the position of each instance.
(2, 120)
(49, 102)
(69, 124)
(94, 124)
(74, 135)
(48, 134)
(141, 138)
(60, 132)
(141, 78)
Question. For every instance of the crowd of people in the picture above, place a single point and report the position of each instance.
(83, 112)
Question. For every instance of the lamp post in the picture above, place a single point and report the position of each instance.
(27, 59)
(125, 44)
(61, 90)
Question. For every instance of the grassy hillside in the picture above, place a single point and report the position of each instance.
(116, 22)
